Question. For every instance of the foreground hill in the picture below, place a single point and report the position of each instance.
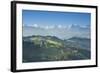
(50, 48)
(83, 43)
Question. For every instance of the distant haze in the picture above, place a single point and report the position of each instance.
(62, 32)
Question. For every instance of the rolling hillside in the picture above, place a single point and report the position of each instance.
(50, 48)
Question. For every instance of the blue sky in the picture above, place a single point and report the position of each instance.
(49, 18)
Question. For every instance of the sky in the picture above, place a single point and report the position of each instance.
(52, 18)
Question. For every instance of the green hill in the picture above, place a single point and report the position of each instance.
(50, 48)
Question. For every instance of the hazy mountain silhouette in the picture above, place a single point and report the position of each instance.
(61, 32)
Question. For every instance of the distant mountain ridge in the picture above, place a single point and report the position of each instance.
(58, 26)
(79, 39)
(60, 32)
(84, 43)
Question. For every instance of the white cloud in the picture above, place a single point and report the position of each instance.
(83, 26)
(46, 27)
(35, 25)
(59, 26)
(69, 27)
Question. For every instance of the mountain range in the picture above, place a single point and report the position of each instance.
(62, 32)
